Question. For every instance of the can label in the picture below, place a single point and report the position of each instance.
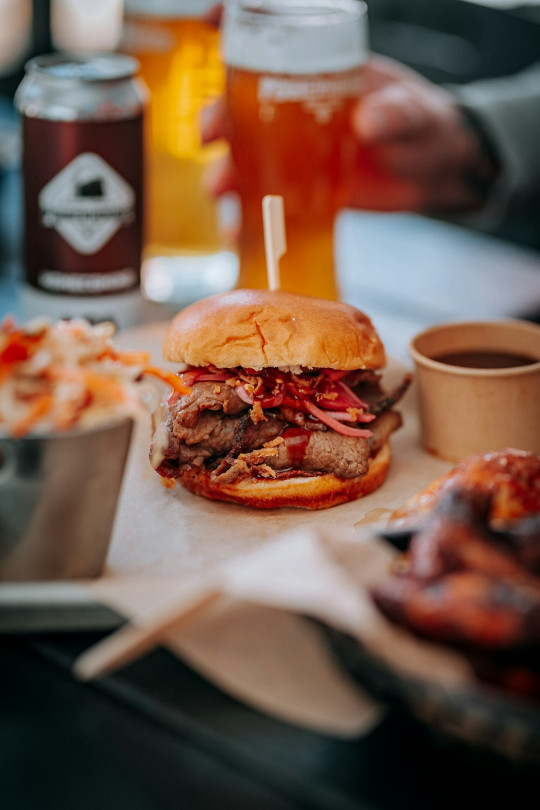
(83, 205)
(87, 202)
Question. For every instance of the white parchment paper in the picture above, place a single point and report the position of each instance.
(256, 644)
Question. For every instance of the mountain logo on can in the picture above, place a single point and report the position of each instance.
(87, 202)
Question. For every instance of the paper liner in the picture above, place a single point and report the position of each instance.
(164, 540)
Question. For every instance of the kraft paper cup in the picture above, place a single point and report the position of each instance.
(464, 411)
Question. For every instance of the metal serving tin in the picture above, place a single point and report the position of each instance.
(58, 500)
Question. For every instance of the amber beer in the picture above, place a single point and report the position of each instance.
(294, 71)
(180, 62)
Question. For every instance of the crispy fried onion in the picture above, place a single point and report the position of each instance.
(320, 394)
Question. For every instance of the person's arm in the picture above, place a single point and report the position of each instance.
(425, 155)
(507, 114)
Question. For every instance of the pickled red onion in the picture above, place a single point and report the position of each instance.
(330, 422)
(345, 416)
(265, 402)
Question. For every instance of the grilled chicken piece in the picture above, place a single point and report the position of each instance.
(458, 537)
(511, 477)
(464, 608)
(461, 582)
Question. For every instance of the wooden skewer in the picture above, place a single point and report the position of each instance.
(274, 237)
(132, 640)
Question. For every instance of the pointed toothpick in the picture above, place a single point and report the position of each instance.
(274, 237)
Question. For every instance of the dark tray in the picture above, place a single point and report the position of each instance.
(480, 717)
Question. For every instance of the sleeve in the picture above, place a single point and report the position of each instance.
(507, 112)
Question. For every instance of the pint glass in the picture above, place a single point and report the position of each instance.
(187, 249)
(294, 71)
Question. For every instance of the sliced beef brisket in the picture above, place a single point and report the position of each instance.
(215, 427)
(206, 396)
(323, 452)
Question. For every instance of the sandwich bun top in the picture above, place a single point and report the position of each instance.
(273, 329)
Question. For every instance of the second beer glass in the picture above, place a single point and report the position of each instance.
(294, 71)
(188, 252)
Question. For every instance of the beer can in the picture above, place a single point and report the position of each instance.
(82, 129)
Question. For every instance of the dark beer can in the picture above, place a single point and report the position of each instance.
(82, 124)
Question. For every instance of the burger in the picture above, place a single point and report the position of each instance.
(285, 404)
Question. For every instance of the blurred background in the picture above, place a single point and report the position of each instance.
(448, 41)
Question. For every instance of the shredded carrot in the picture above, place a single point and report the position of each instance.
(168, 377)
(128, 358)
(5, 371)
(39, 407)
(134, 358)
(104, 386)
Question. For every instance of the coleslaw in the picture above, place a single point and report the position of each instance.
(67, 374)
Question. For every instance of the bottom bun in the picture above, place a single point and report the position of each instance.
(315, 492)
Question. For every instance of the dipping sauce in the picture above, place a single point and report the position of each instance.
(485, 359)
(492, 369)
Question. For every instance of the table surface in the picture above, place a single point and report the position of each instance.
(156, 734)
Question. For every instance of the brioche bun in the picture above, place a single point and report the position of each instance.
(314, 492)
(273, 328)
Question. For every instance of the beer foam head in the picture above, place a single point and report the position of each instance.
(169, 8)
(295, 36)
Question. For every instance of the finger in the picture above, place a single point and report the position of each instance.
(447, 195)
(214, 15)
(420, 159)
(451, 195)
(214, 121)
(371, 188)
(438, 151)
(403, 196)
(220, 177)
(390, 114)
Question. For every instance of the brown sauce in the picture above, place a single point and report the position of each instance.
(296, 441)
(485, 359)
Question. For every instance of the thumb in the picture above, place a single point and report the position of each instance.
(392, 113)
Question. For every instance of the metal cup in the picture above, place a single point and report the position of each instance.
(58, 498)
